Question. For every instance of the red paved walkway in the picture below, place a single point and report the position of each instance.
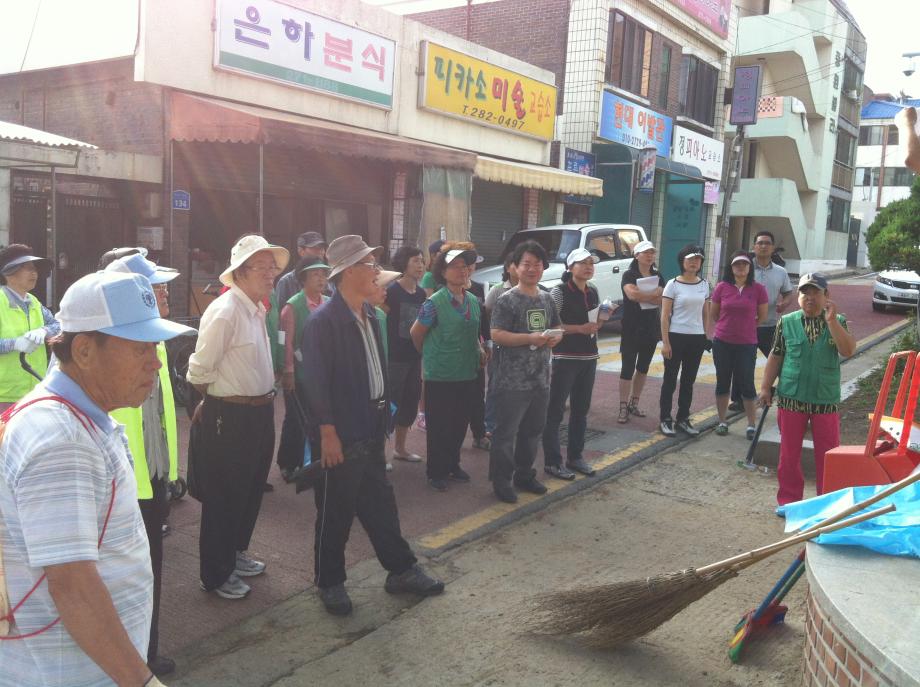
(284, 533)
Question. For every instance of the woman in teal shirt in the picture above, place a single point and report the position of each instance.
(447, 334)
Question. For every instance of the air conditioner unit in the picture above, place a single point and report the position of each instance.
(852, 94)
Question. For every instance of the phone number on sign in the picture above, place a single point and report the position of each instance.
(488, 116)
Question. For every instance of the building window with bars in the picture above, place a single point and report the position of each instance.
(697, 94)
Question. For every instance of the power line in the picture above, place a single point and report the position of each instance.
(25, 54)
(789, 39)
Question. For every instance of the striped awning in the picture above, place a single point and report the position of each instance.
(537, 176)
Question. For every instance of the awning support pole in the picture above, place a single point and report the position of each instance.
(261, 186)
(55, 264)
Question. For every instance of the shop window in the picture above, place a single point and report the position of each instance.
(629, 54)
(697, 93)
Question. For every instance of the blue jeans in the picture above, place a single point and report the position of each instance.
(572, 379)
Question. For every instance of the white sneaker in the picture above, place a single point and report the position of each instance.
(389, 467)
(248, 567)
(408, 457)
(233, 588)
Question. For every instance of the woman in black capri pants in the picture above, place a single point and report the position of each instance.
(641, 327)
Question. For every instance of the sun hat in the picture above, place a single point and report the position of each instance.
(310, 239)
(138, 264)
(578, 255)
(470, 257)
(813, 279)
(643, 246)
(248, 246)
(347, 250)
(745, 258)
(14, 256)
(387, 277)
(119, 304)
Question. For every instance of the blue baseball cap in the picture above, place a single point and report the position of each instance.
(119, 304)
(138, 264)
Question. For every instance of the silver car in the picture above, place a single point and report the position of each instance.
(612, 243)
(899, 288)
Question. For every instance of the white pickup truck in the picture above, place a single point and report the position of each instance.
(612, 243)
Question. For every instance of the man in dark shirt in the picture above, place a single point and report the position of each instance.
(348, 400)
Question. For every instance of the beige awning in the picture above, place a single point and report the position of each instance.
(537, 176)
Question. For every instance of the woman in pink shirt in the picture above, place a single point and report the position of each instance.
(738, 304)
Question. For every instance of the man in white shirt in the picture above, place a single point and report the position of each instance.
(233, 428)
(75, 553)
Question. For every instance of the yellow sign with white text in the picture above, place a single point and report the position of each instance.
(470, 89)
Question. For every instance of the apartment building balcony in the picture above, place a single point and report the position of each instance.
(785, 141)
(789, 53)
(774, 205)
(821, 17)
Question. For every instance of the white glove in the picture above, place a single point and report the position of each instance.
(24, 345)
(37, 336)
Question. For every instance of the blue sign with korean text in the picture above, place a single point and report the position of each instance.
(181, 200)
(634, 125)
(579, 162)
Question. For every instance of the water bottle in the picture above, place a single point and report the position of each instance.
(606, 310)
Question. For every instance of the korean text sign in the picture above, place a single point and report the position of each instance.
(633, 125)
(471, 89)
(579, 162)
(712, 13)
(275, 41)
(745, 95)
(698, 151)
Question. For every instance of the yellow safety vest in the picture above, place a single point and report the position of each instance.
(132, 419)
(14, 381)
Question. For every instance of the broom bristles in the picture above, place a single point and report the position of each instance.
(605, 616)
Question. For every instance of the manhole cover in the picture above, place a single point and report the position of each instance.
(590, 434)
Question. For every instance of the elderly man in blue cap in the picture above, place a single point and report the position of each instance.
(75, 552)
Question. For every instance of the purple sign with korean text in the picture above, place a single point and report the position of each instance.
(634, 125)
(745, 95)
(579, 162)
(711, 13)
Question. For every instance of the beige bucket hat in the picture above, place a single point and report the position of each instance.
(347, 250)
(248, 246)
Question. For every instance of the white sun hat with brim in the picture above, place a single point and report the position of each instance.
(387, 277)
(248, 246)
(138, 264)
(119, 304)
(578, 255)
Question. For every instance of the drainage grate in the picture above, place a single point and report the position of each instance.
(590, 434)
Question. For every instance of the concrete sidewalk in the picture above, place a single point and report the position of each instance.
(690, 505)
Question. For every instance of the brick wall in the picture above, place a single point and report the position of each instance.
(534, 32)
(831, 659)
(96, 103)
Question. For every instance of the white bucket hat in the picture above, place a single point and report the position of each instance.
(346, 251)
(248, 246)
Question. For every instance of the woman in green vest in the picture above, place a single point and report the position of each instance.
(25, 323)
(313, 275)
(151, 432)
(807, 348)
(447, 334)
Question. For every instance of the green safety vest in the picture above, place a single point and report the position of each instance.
(14, 381)
(132, 419)
(450, 352)
(811, 371)
(298, 303)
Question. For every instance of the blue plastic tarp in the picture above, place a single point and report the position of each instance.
(895, 534)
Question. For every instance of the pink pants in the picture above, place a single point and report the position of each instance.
(825, 431)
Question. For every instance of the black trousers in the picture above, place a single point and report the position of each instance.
(573, 381)
(154, 511)
(234, 445)
(448, 411)
(290, 447)
(478, 407)
(686, 354)
(359, 486)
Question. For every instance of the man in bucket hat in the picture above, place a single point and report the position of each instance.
(75, 553)
(233, 432)
(348, 399)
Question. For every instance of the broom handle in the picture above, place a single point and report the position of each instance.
(743, 560)
(856, 507)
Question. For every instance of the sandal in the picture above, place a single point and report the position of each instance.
(722, 429)
(623, 417)
(634, 408)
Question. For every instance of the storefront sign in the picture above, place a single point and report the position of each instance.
(579, 162)
(468, 88)
(274, 41)
(711, 193)
(626, 122)
(181, 200)
(645, 180)
(711, 13)
(699, 151)
(745, 95)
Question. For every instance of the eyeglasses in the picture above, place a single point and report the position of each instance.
(373, 265)
(763, 243)
(263, 269)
